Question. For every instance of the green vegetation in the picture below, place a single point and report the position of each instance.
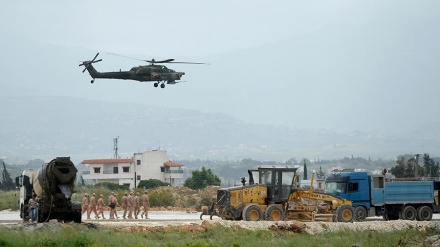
(9, 200)
(202, 179)
(230, 171)
(6, 183)
(151, 183)
(162, 198)
(407, 164)
(111, 186)
(210, 236)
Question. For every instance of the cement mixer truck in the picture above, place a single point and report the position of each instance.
(53, 185)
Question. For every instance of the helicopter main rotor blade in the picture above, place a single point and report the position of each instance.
(114, 54)
(191, 63)
(160, 61)
(153, 61)
(99, 60)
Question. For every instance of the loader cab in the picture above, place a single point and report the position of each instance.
(279, 181)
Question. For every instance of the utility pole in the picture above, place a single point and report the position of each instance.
(416, 170)
(115, 147)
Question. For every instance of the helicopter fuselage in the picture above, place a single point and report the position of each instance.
(141, 73)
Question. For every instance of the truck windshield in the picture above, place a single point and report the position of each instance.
(335, 187)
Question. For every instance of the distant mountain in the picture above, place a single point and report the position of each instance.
(364, 90)
(381, 76)
(46, 127)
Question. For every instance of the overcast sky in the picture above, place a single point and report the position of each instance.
(192, 28)
(343, 61)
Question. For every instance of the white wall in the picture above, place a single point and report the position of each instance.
(150, 163)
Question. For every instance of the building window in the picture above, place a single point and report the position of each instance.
(138, 177)
(126, 169)
(115, 170)
(126, 185)
(97, 169)
(162, 169)
(138, 162)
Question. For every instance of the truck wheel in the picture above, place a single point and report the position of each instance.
(360, 213)
(252, 212)
(391, 216)
(424, 213)
(77, 217)
(344, 213)
(274, 213)
(409, 213)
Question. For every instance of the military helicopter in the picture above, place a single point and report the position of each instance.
(160, 74)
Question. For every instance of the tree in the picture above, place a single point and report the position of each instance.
(399, 169)
(305, 170)
(151, 183)
(202, 179)
(431, 167)
(7, 183)
(407, 169)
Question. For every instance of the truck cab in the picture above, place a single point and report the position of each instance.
(24, 182)
(360, 187)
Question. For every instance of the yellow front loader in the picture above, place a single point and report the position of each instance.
(272, 193)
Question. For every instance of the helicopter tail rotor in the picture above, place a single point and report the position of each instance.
(86, 64)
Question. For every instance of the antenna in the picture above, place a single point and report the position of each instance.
(115, 147)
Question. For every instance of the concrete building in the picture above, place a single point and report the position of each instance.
(129, 172)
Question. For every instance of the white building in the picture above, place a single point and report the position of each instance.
(143, 166)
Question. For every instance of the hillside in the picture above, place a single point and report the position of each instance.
(44, 127)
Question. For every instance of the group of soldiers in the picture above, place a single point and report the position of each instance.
(129, 202)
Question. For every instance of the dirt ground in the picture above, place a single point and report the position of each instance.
(169, 226)
(201, 225)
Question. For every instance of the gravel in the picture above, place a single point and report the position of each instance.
(305, 227)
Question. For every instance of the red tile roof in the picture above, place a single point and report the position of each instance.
(172, 164)
(107, 161)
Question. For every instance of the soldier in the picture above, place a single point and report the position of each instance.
(101, 206)
(136, 205)
(85, 205)
(93, 206)
(124, 204)
(130, 202)
(112, 205)
(115, 201)
(145, 204)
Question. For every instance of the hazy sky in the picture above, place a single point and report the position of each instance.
(342, 62)
(191, 28)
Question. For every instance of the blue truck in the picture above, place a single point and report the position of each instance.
(376, 195)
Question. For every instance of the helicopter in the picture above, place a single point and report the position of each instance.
(160, 74)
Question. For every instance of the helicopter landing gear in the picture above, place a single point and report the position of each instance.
(156, 84)
(162, 85)
(92, 81)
